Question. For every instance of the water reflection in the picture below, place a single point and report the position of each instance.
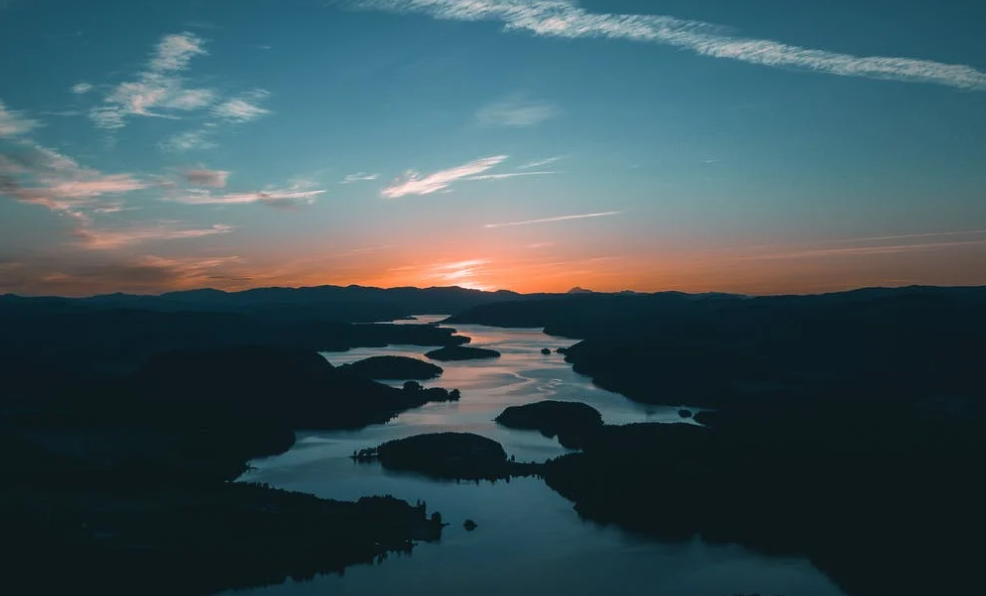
(529, 539)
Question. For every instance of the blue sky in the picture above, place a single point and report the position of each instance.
(758, 147)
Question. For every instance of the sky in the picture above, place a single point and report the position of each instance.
(759, 147)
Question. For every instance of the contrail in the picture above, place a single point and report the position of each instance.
(552, 219)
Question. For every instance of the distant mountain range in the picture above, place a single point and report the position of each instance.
(327, 303)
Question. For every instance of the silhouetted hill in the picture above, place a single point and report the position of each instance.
(267, 386)
(326, 303)
(108, 480)
(675, 348)
(846, 426)
(119, 340)
(456, 353)
(881, 500)
(447, 456)
(571, 422)
(397, 368)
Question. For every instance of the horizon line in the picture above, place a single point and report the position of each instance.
(582, 291)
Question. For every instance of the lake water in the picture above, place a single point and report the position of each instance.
(529, 539)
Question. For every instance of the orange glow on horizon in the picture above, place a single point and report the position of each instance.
(533, 268)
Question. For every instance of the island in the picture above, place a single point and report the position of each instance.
(447, 456)
(573, 423)
(454, 353)
(546, 351)
(393, 368)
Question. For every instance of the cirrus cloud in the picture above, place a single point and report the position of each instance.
(15, 123)
(531, 222)
(566, 19)
(414, 183)
(516, 111)
(274, 197)
(158, 90)
(108, 239)
(359, 177)
(244, 108)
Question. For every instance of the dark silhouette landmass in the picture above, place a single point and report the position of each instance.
(394, 368)
(714, 350)
(571, 422)
(108, 480)
(446, 456)
(350, 304)
(846, 425)
(883, 504)
(119, 341)
(454, 353)
(199, 541)
(848, 428)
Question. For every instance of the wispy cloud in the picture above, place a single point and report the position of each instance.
(244, 108)
(871, 246)
(40, 176)
(541, 163)
(190, 140)
(856, 251)
(910, 236)
(158, 90)
(81, 88)
(509, 175)
(175, 51)
(36, 175)
(108, 272)
(211, 178)
(516, 111)
(107, 117)
(294, 195)
(15, 123)
(413, 183)
(370, 249)
(95, 239)
(566, 19)
(359, 177)
(545, 220)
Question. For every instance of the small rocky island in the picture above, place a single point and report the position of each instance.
(456, 353)
(572, 422)
(393, 368)
(446, 456)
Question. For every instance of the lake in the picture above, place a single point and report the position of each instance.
(529, 539)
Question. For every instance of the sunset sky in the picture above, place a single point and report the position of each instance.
(760, 146)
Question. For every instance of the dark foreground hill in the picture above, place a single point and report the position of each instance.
(676, 348)
(119, 341)
(847, 426)
(119, 484)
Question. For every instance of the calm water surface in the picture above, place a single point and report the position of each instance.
(529, 539)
